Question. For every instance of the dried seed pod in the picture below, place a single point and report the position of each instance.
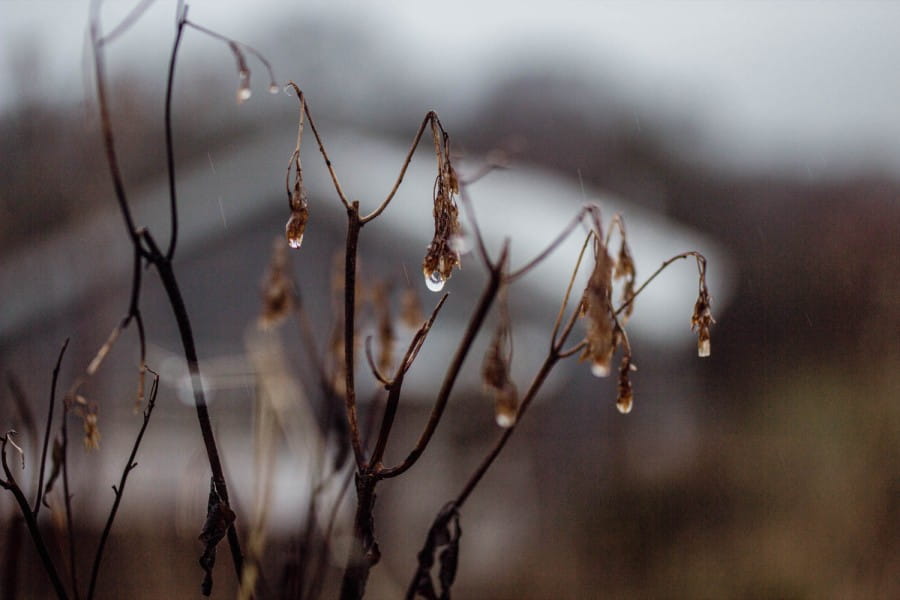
(277, 289)
(91, 430)
(602, 337)
(441, 256)
(495, 369)
(506, 405)
(625, 270)
(296, 226)
(701, 320)
(625, 393)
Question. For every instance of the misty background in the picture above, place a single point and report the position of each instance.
(765, 134)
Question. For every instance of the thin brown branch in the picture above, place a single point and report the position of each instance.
(551, 247)
(120, 490)
(396, 384)
(40, 486)
(31, 522)
(372, 366)
(67, 501)
(312, 125)
(432, 119)
(476, 321)
(699, 257)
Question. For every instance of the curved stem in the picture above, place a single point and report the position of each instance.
(431, 118)
(484, 304)
(119, 491)
(40, 490)
(170, 150)
(31, 522)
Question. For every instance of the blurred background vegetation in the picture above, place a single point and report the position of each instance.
(769, 470)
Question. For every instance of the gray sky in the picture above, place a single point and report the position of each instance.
(812, 84)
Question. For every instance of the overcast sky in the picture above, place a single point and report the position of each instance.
(816, 84)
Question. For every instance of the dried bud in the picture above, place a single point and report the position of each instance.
(506, 405)
(625, 394)
(441, 256)
(277, 289)
(495, 371)
(602, 337)
(295, 227)
(701, 320)
(625, 270)
(91, 431)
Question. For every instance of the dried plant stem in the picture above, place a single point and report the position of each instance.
(119, 491)
(475, 322)
(46, 443)
(146, 248)
(30, 521)
(701, 260)
(353, 227)
(67, 500)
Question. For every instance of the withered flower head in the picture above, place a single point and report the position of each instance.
(442, 255)
(495, 371)
(601, 331)
(625, 394)
(625, 270)
(296, 224)
(701, 320)
(277, 290)
(91, 431)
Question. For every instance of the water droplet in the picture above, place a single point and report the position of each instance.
(624, 404)
(434, 281)
(243, 93)
(273, 88)
(288, 89)
(600, 369)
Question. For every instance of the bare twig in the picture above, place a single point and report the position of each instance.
(120, 490)
(10, 484)
(40, 486)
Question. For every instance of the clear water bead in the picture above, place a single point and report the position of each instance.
(243, 94)
(434, 281)
(274, 89)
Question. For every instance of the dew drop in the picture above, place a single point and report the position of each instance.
(624, 404)
(243, 94)
(600, 369)
(434, 281)
(273, 88)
